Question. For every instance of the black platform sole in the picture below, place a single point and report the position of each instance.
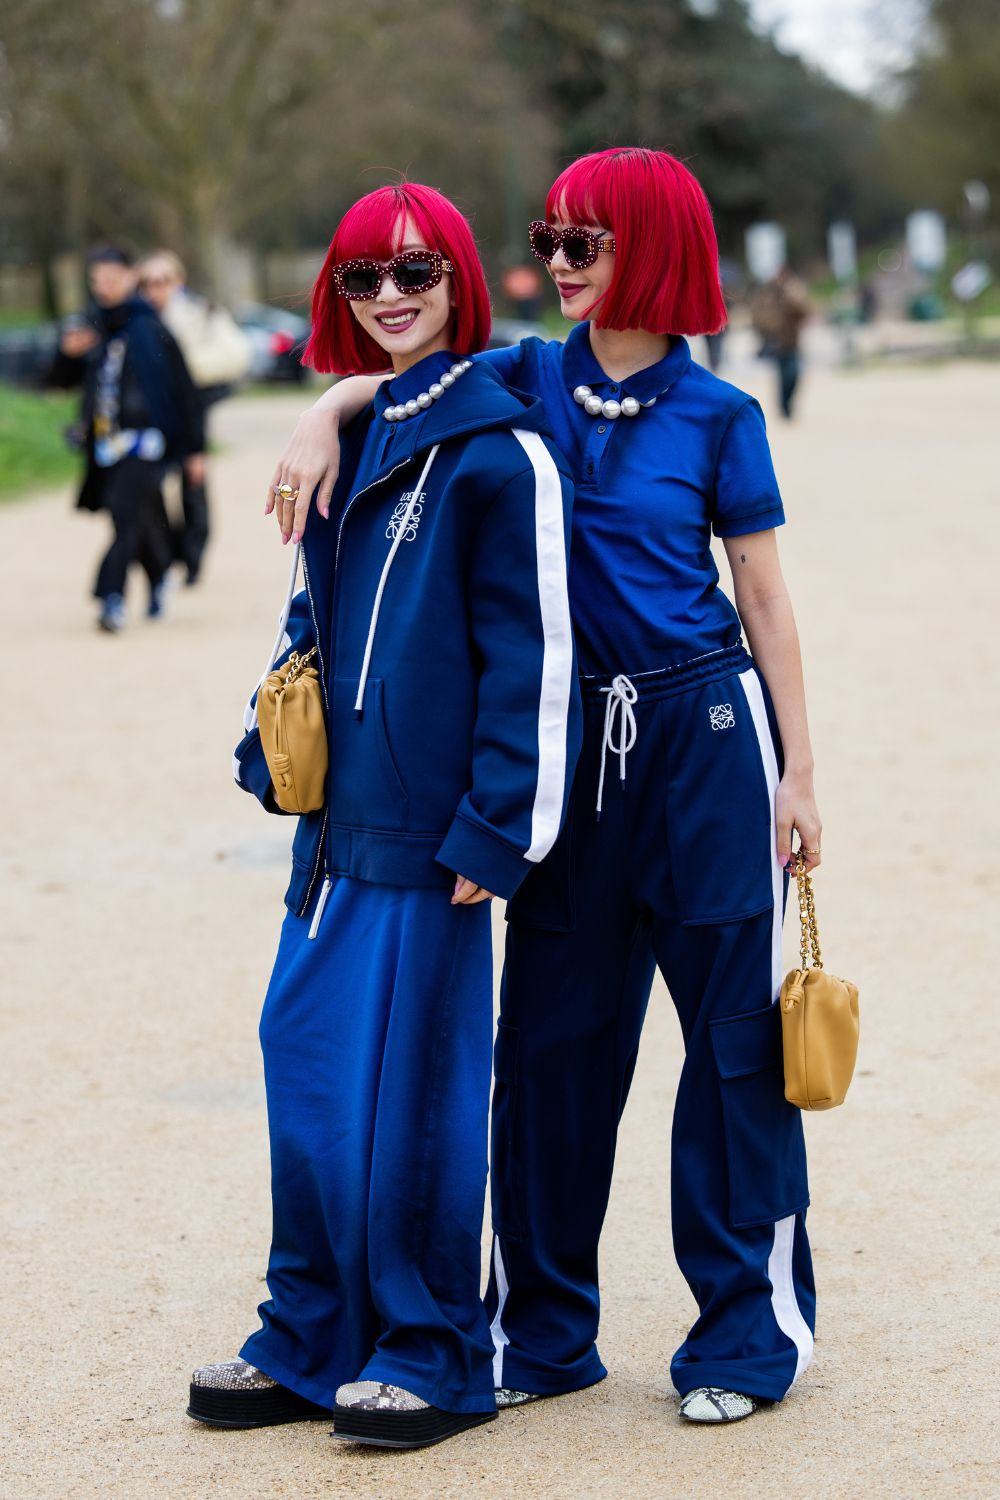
(404, 1429)
(265, 1408)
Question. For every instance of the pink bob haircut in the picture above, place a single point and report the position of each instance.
(666, 276)
(375, 226)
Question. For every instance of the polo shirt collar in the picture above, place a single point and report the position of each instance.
(581, 368)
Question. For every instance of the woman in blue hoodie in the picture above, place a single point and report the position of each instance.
(695, 776)
(438, 607)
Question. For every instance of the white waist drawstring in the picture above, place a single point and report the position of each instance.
(400, 533)
(621, 696)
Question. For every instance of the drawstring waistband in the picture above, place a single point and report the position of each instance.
(620, 693)
(620, 697)
(400, 533)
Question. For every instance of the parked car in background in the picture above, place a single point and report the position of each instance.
(278, 338)
(26, 354)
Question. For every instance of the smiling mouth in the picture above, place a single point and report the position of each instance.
(398, 322)
(571, 288)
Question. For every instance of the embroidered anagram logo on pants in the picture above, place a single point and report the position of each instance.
(399, 516)
(721, 716)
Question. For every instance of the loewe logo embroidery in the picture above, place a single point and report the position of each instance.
(721, 716)
(399, 516)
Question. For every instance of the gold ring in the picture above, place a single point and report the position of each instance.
(286, 492)
(810, 851)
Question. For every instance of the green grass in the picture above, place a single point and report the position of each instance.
(21, 317)
(33, 454)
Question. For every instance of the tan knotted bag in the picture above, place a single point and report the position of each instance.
(819, 1018)
(293, 734)
(290, 716)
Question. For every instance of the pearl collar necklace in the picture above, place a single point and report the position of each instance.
(428, 397)
(629, 406)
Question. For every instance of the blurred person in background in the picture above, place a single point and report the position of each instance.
(140, 413)
(778, 310)
(680, 860)
(217, 354)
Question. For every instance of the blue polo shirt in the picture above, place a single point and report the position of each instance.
(650, 491)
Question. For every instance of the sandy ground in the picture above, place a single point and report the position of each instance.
(141, 910)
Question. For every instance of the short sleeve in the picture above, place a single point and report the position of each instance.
(746, 494)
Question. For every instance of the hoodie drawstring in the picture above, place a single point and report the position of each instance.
(621, 696)
(320, 904)
(400, 534)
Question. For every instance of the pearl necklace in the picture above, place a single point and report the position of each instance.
(428, 397)
(595, 407)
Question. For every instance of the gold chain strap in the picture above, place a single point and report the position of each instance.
(808, 933)
(297, 664)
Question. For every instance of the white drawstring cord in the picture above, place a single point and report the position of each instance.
(250, 713)
(397, 539)
(621, 696)
(320, 904)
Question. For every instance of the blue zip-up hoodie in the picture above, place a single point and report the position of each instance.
(438, 603)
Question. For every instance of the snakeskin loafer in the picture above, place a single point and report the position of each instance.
(235, 1394)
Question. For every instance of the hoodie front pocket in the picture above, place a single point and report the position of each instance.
(366, 788)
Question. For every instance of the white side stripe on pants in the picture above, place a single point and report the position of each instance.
(500, 1339)
(787, 1313)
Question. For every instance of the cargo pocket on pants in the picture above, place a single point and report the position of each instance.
(765, 1145)
(504, 1167)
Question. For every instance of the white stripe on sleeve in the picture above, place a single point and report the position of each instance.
(557, 650)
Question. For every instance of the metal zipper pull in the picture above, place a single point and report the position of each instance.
(320, 904)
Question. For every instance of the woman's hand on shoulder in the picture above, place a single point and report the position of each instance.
(313, 455)
(311, 458)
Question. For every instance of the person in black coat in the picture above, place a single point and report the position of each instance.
(141, 413)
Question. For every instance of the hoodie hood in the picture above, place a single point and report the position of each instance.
(477, 402)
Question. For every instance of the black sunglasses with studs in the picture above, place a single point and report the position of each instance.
(581, 247)
(360, 280)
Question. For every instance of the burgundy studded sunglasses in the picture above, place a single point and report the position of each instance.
(361, 280)
(581, 247)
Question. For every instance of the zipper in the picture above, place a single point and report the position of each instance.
(382, 479)
(321, 859)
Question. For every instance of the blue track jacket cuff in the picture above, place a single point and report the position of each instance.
(253, 774)
(483, 858)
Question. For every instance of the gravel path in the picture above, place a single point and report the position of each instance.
(140, 918)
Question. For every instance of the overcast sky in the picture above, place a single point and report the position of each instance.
(852, 40)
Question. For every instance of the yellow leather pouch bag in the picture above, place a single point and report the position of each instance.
(293, 734)
(819, 1018)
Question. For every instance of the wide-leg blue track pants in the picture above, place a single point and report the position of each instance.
(679, 872)
(376, 1037)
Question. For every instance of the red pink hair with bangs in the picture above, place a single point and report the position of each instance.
(375, 227)
(666, 276)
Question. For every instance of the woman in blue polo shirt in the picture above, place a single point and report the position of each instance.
(695, 775)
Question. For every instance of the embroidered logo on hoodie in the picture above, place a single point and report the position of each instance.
(399, 516)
